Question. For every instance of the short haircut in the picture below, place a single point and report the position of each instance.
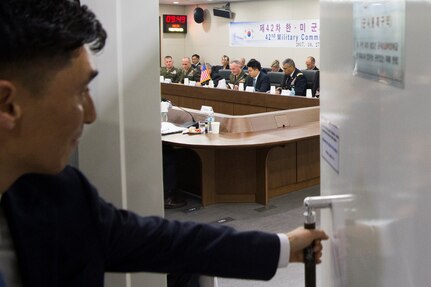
(255, 64)
(196, 55)
(168, 57)
(290, 62)
(38, 35)
(312, 59)
(275, 63)
(236, 62)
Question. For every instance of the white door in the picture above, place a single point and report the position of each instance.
(384, 146)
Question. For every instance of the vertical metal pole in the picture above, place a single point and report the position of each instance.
(311, 203)
(309, 260)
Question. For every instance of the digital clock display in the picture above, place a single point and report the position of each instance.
(175, 23)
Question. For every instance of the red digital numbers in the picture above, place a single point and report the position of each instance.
(171, 19)
(174, 23)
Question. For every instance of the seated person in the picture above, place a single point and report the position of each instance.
(237, 75)
(196, 61)
(310, 62)
(169, 71)
(225, 62)
(293, 78)
(213, 76)
(275, 66)
(188, 72)
(243, 65)
(258, 80)
(56, 230)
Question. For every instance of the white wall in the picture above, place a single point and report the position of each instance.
(384, 154)
(211, 38)
(172, 44)
(121, 152)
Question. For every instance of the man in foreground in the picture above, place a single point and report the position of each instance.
(56, 230)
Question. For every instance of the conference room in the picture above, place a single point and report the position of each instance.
(381, 154)
(210, 31)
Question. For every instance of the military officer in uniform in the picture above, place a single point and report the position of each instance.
(187, 71)
(169, 71)
(237, 75)
(293, 78)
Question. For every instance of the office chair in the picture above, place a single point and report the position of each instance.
(275, 78)
(309, 75)
(224, 74)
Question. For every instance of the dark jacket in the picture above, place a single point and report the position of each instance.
(66, 235)
(263, 83)
(297, 80)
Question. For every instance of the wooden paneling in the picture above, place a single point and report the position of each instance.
(236, 172)
(281, 165)
(239, 110)
(308, 155)
(220, 107)
(191, 103)
(221, 100)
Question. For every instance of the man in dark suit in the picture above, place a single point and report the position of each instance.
(310, 63)
(293, 78)
(196, 64)
(255, 78)
(55, 228)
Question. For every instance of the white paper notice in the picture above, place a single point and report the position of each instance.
(330, 144)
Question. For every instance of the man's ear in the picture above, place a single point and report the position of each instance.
(10, 111)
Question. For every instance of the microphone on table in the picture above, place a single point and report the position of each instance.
(192, 123)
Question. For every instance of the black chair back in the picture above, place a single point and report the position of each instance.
(275, 78)
(309, 75)
(224, 74)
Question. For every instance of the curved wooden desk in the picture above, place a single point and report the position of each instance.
(255, 165)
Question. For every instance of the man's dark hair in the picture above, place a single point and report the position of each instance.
(196, 55)
(290, 62)
(255, 64)
(45, 32)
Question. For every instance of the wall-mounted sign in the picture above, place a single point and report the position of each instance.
(330, 144)
(379, 28)
(283, 33)
(174, 23)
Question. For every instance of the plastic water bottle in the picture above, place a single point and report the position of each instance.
(210, 119)
(164, 116)
(164, 108)
(292, 91)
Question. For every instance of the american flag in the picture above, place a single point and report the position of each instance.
(205, 75)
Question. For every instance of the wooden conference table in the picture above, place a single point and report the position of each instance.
(232, 102)
(255, 157)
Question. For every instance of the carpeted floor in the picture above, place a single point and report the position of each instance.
(283, 214)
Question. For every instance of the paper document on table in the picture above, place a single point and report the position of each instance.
(170, 128)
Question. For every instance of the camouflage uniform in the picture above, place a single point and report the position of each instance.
(191, 74)
(241, 78)
(173, 74)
